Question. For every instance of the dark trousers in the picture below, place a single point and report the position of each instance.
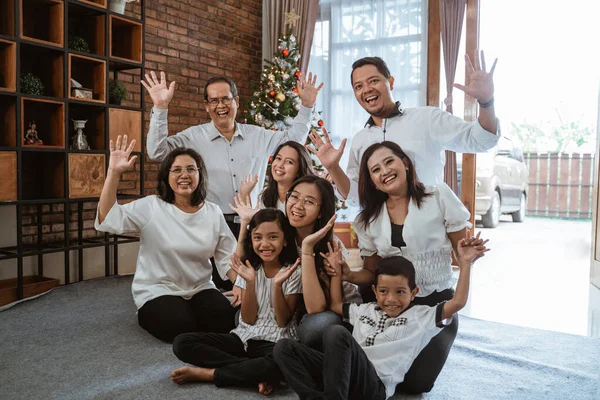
(429, 363)
(311, 328)
(168, 316)
(224, 284)
(234, 365)
(343, 371)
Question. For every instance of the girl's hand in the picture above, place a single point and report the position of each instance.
(285, 273)
(246, 271)
(243, 208)
(311, 240)
(119, 161)
(333, 259)
(236, 293)
(247, 185)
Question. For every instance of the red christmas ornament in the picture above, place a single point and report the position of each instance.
(295, 90)
(272, 93)
(320, 122)
(285, 52)
(297, 74)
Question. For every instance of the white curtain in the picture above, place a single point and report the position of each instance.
(346, 30)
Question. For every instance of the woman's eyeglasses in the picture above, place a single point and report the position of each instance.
(178, 171)
(294, 198)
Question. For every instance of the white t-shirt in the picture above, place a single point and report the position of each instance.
(425, 233)
(265, 327)
(392, 344)
(423, 133)
(175, 246)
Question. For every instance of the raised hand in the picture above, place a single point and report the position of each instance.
(311, 240)
(328, 155)
(307, 89)
(160, 94)
(284, 273)
(246, 270)
(243, 208)
(247, 185)
(333, 259)
(471, 249)
(119, 161)
(481, 83)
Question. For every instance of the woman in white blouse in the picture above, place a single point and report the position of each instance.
(401, 216)
(179, 232)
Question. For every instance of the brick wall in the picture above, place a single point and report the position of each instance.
(191, 41)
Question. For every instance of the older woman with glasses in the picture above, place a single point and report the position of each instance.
(179, 232)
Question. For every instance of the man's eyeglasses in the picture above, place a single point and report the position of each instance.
(294, 198)
(215, 102)
(177, 171)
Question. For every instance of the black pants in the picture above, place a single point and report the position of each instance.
(225, 284)
(168, 316)
(343, 371)
(312, 326)
(234, 366)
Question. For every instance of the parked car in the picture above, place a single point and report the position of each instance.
(502, 182)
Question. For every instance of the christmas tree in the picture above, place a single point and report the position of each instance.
(275, 101)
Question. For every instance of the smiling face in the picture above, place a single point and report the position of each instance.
(387, 171)
(303, 206)
(373, 91)
(393, 294)
(222, 115)
(285, 166)
(268, 241)
(183, 176)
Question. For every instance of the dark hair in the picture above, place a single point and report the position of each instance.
(288, 254)
(270, 195)
(396, 266)
(326, 211)
(216, 79)
(376, 61)
(371, 199)
(165, 192)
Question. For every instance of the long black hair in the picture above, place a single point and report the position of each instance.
(270, 195)
(371, 199)
(165, 192)
(289, 254)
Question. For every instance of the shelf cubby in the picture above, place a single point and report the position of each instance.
(8, 121)
(96, 3)
(47, 64)
(95, 127)
(43, 175)
(7, 17)
(91, 73)
(43, 21)
(125, 39)
(8, 174)
(49, 117)
(8, 65)
(121, 122)
(86, 174)
(88, 24)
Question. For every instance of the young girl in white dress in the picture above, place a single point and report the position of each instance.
(271, 286)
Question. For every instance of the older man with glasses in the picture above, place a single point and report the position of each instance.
(230, 150)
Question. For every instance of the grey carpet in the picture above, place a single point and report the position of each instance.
(82, 341)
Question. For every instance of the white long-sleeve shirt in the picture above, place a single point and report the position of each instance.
(423, 133)
(175, 246)
(227, 163)
(425, 234)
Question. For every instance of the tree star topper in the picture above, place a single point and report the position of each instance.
(291, 18)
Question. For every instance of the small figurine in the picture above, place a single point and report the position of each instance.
(32, 136)
(79, 139)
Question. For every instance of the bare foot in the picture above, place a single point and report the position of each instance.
(265, 388)
(192, 374)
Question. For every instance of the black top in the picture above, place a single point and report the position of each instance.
(397, 240)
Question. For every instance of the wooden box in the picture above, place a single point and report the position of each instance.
(90, 73)
(8, 121)
(49, 116)
(125, 39)
(125, 122)
(32, 285)
(345, 232)
(8, 174)
(86, 174)
(43, 21)
(8, 65)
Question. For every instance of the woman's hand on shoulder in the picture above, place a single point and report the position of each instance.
(284, 273)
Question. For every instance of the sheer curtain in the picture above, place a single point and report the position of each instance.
(346, 30)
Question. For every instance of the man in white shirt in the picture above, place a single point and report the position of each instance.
(230, 150)
(423, 133)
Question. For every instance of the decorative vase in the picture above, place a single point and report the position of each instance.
(117, 6)
(79, 139)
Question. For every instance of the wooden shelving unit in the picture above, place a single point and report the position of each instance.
(35, 38)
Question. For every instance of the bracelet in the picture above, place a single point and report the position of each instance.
(308, 254)
(486, 104)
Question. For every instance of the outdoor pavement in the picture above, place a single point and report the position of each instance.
(536, 275)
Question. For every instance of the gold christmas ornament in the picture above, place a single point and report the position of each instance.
(291, 18)
(280, 97)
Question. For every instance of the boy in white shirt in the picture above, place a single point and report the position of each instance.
(388, 335)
